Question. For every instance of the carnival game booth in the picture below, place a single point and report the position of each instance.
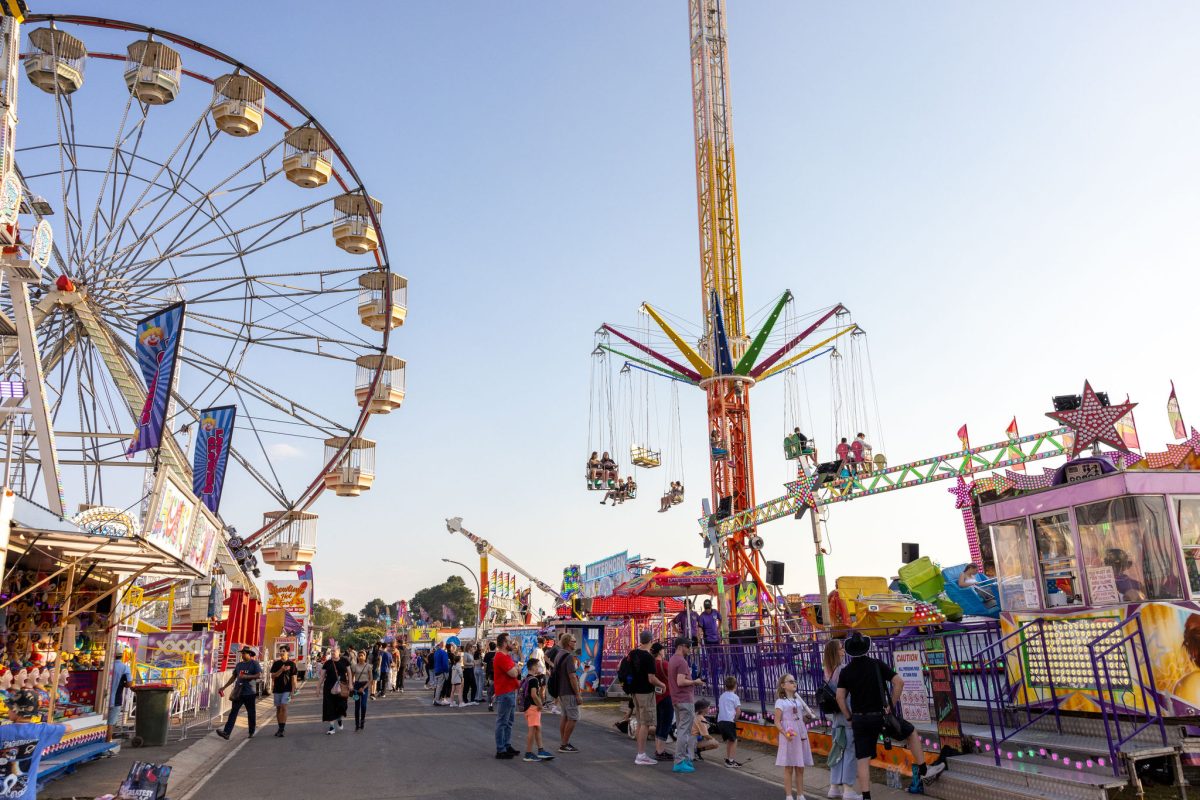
(58, 603)
(1099, 578)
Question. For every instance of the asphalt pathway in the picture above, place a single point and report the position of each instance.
(410, 749)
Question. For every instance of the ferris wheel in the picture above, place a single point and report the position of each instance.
(173, 173)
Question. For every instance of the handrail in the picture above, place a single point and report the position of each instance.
(1001, 661)
(1108, 710)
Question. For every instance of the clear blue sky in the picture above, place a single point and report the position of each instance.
(1004, 195)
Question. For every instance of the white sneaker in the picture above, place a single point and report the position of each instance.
(851, 794)
(645, 760)
(933, 770)
(835, 790)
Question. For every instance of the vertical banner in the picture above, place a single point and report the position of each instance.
(945, 704)
(212, 454)
(157, 345)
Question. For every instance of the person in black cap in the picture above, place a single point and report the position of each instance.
(710, 624)
(865, 683)
(245, 673)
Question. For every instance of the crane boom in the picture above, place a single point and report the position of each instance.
(485, 549)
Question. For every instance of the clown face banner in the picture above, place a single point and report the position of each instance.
(212, 454)
(157, 345)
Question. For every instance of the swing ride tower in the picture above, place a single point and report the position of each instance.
(723, 315)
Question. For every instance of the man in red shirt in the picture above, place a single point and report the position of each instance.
(505, 674)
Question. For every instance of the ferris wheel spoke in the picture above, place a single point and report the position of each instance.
(322, 314)
(261, 446)
(204, 198)
(129, 164)
(284, 334)
(189, 136)
(276, 400)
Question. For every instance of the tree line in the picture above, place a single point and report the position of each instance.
(331, 620)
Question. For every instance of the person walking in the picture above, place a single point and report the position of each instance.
(362, 680)
(664, 711)
(335, 688)
(245, 674)
(843, 768)
(643, 682)
(551, 656)
(864, 698)
(792, 716)
(283, 686)
(429, 659)
(567, 685)
(470, 693)
(506, 673)
(488, 675)
(480, 685)
(385, 670)
(680, 682)
(402, 661)
(441, 673)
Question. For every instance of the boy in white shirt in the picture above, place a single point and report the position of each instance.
(728, 706)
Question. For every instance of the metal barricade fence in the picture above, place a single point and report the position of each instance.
(194, 706)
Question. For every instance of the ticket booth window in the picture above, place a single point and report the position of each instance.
(1187, 512)
(1057, 561)
(1128, 551)
(1015, 571)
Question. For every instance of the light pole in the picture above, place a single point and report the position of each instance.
(478, 591)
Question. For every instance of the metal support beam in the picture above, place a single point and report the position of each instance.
(703, 367)
(747, 360)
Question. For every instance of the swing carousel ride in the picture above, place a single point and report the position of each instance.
(180, 181)
(725, 356)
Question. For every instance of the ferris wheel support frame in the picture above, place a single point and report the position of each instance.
(310, 493)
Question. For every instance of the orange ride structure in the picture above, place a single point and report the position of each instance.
(726, 361)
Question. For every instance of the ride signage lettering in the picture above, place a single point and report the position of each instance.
(290, 596)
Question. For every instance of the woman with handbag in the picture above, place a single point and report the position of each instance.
(335, 689)
(841, 762)
(362, 678)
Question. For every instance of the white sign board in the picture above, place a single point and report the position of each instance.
(914, 697)
(1102, 584)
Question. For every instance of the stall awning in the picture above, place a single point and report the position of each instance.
(42, 538)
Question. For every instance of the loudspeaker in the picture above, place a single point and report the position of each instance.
(774, 573)
(910, 552)
(744, 636)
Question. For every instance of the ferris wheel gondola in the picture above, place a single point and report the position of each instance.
(178, 173)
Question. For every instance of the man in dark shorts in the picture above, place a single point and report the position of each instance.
(568, 692)
(283, 686)
(641, 690)
(870, 687)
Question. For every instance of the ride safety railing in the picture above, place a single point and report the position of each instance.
(759, 666)
(1124, 684)
(1023, 659)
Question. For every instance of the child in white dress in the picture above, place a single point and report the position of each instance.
(791, 717)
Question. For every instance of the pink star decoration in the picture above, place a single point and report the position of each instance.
(1176, 453)
(1093, 422)
(962, 493)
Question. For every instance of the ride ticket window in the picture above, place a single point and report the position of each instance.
(1187, 513)
(1016, 575)
(1128, 552)
(1057, 561)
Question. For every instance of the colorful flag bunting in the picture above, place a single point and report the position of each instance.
(1014, 451)
(1174, 416)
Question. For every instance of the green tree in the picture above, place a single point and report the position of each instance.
(452, 593)
(328, 618)
(372, 612)
(362, 637)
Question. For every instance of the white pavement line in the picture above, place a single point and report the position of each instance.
(200, 784)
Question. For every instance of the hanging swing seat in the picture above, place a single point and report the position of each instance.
(794, 447)
(645, 457)
(597, 485)
(677, 499)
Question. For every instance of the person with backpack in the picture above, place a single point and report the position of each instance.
(551, 653)
(841, 762)
(642, 681)
(867, 693)
(530, 696)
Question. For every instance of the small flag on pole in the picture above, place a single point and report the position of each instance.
(1127, 430)
(1174, 416)
(1014, 451)
(963, 439)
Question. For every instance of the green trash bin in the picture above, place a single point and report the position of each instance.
(152, 714)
